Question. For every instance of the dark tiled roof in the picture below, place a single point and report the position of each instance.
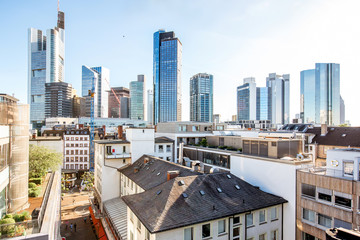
(120, 141)
(147, 175)
(163, 140)
(168, 209)
(337, 136)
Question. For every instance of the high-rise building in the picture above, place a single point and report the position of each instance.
(58, 100)
(150, 106)
(320, 100)
(263, 103)
(280, 98)
(119, 103)
(201, 97)
(216, 118)
(46, 64)
(246, 100)
(342, 111)
(99, 77)
(137, 98)
(167, 77)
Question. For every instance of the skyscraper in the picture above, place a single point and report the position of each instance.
(280, 98)
(46, 55)
(246, 100)
(150, 106)
(100, 78)
(263, 103)
(201, 97)
(320, 98)
(167, 77)
(58, 100)
(137, 98)
(123, 95)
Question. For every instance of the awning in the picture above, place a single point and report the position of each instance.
(116, 210)
(100, 232)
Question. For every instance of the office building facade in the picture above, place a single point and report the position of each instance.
(46, 63)
(137, 98)
(99, 78)
(58, 100)
(280, 98)
(320, 98)
(263, 103)
(201, 97)
(119, 103)
(246, 100)
(150, 107)
(167, 57)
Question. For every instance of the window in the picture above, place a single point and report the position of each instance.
(147, 234)
(236, 220)
(81, 138)
(72, 152)
(308, 215)
(339, 223)
(76, 145)
(206, 231)
(274, 235)
(161, 148)
(67, 166)
(324, 197)
(236, 233)
(76, 159)
(249, 220)
(262, 216)
(124, 149)
(188, 234)
(85, 152)
(108, 150)
(76, 152)
(67, 152)
(349, 168)
(221, 226)
(67, 159)
(81, 166)
(81, 145)
(324, 220)
(168, 148)
(343, 201)
(308, 190)
(85, 159)
(262, 236)
(85, 144)
(138, 225)
(273, 144)
(68, 145)
(72, 159)
(131, 216)
(81, 152)
(72, 145)
(274, 213)
(81, 159)
(76, 166)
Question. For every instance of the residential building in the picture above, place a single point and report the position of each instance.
(58, 100)
(167, 57)
(280, 98)
(14, 154)
(76, 150)
(98, 79)
(46, 64)
(150, 107)
(137, 98)
(263, 103)
(246, 100)
(142, 141)
(320, 98)
(119, 102)
(164, 148)
(201, 97)
(233, 118)
(342, 234)
(328, 197)
(250, 124)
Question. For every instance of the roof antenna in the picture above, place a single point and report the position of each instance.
(58, 6)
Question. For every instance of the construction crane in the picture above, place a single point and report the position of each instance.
(91, 94)
(117, 99)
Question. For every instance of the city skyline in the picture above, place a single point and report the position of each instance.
(255, 56)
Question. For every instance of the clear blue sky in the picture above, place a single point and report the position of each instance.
(229, 39)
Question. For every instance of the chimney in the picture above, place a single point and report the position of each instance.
(120, 132)
(81, 126)
(172, 174)
(146, 160)
(104, 128)
(181, 153)
(323, 129)
(34, 136)
(136, 169)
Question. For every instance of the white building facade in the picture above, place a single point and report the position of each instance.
(76, 149)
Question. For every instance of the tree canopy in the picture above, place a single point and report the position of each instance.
(43, 159)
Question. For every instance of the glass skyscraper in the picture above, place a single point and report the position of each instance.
(320, 98)
(137, 98)
(246, 100)
(100, 77)
(280, 98)
(201, 97)
(167, 77)
(150, 106)
(263, 103)
(46, 64)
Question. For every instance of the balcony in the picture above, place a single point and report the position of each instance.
(118, 155)
(329, 172)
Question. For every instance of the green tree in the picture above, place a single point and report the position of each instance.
(203, 142)
(43, 159)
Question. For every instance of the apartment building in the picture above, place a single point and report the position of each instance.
(329, 197)
(76, 149)
(164, 148)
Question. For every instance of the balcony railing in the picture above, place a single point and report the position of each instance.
(118, 155)
(327, 172)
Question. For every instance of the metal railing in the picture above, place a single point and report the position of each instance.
(45, 199)
(326, 172)
(19, 229)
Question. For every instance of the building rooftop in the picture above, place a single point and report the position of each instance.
(189, 200)
(336, 136)
(153, 173)
(163, 140)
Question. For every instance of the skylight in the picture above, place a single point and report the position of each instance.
(202, 193)
(158, 174)
(184, 195)
(181, 183)
(219, 190)
(237, 187)
(158, 192)
(228, 176)
(344, 135)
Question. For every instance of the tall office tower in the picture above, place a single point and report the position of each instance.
(280, 98)
(46, 55)
(150, 106)
(201, 97)
(58, 100)
(167, 77)
(246, 100)
(342, 111)
(99, 77)
(116, 109)
(320, 94)
(137, 98)
(263, 103)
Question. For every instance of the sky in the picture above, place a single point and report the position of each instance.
(231, 39)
